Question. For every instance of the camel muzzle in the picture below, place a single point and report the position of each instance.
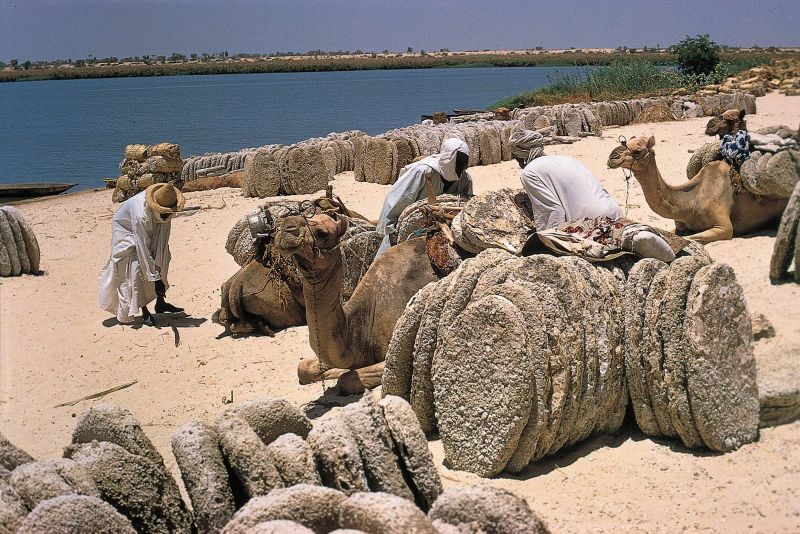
(617, 157)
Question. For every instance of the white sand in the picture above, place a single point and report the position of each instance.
(54, 348)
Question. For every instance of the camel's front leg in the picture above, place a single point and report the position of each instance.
(681, 228)
(720, 232)
(309, 371)
(357, 380)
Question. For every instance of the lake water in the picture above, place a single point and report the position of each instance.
(76, 130)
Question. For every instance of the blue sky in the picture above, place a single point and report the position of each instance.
(51, 29)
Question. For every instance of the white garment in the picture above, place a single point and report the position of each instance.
(561, 189)
(139, 256)
(410, 186)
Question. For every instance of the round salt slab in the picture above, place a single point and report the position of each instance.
(294, 460)
(671, 328)
(785, 239)
(400, 354)
(721, 372)
(338, 459)
(381, 465)
(75, 513)
(382, 513)
(415, 458)
(314, 507)
(636, 289)
(482, 385)
(494, 510)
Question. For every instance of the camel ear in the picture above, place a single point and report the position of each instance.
(341, 226)
(651, 142)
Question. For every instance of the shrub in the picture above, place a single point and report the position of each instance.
(697, 55)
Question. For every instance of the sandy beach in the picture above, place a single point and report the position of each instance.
(57, 345)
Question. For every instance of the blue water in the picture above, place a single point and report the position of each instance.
(76, 130)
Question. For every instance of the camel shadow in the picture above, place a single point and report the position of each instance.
(329, 400)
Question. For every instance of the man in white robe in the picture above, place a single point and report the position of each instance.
(561, 189)
(136, 272)
(447, 174)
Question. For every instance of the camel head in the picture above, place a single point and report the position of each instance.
(312, 241)
(632, 153)
(726, 123)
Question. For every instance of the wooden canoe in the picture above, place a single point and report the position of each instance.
(33, 190)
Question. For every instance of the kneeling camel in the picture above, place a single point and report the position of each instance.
(707, 207)
(350, 341)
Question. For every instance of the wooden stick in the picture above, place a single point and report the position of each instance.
(429, 187)
(96, 395)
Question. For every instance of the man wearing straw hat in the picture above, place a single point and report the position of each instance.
(136, 271)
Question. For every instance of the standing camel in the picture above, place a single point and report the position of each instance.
(350, 341)
(708, 206)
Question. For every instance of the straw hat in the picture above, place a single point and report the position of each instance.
(164, 198)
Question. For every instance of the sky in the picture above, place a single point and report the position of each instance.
(60, 29)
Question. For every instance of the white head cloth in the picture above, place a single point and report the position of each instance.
(445, 161)
(526, 145)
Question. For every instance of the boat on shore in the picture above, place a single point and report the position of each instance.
(33, 190)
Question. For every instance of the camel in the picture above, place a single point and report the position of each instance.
(727, 123)
(708, 206)
(262, 298)
(350, 341)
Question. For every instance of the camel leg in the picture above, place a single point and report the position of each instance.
(355, 381)
(715, 233)
(680, 228)
(310, 371)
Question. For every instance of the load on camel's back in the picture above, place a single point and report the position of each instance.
(266, 294)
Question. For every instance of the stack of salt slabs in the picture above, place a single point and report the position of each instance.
(144, 165)
(515, 358)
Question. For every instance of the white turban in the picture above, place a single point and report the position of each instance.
(445, 161)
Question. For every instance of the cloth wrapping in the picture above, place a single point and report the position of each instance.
(139, 256)
(600, 239)
(735, 148)
(410, 186)
(526, 145)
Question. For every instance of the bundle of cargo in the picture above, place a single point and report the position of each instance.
(144, 165)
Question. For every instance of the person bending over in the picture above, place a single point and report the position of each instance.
(136, 271)
(561, 189)
(447, 172)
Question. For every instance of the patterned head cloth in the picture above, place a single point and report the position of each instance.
(526, 145)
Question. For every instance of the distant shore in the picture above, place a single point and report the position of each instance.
(363, 61)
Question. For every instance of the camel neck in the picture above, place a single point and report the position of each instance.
(327, 322)
(664, 199)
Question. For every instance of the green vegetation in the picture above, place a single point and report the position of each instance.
(245, 64)
(630, 77)
(697, 55)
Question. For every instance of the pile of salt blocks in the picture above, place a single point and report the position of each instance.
(214, 164)
(260, 467)
(301, 168)
(19, 249)
(145, 165)
(515, 358)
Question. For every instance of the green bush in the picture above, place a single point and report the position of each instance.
(697, 55)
